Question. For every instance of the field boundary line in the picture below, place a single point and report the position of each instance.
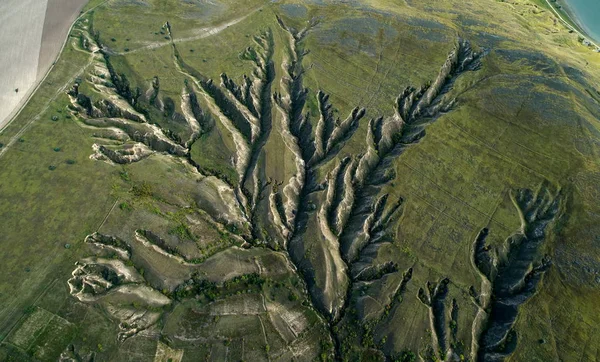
(43, 292)
(107, 215)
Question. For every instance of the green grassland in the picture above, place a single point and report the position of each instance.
(218, 285)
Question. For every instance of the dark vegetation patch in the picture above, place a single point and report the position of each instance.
(536, 60)
(356, 34)
(575, 74)
(202, 10)
(294, 10)
(578, 269)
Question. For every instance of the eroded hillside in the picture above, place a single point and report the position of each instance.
(306, 181)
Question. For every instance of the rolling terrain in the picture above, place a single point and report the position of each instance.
(305, 180)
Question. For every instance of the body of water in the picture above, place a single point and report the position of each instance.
(588, 16)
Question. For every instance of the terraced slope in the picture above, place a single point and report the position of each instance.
(308, 181)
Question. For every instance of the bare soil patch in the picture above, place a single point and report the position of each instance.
(34, 32)
(21, 28)
(60, 14)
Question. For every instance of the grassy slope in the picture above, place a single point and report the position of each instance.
(454, 175)
(455, 181)
(40, 206)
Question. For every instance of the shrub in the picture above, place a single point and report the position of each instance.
(124, 175)
(182, 232)
(406, 356)
(125, 206)
(51, 167)
(142, 189)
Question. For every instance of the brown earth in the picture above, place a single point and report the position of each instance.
(60, 14)
(24, 38)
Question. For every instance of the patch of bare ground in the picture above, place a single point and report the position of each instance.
(35, 42)
(60, 14)
(21, 23)
(166, 354)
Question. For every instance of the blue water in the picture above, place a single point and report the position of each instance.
(588, 15)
